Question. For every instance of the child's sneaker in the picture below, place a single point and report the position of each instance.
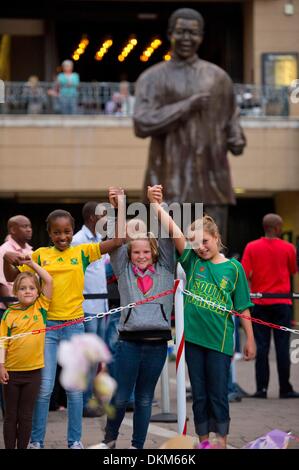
(77, 445)
(107, 445)
(34, 445)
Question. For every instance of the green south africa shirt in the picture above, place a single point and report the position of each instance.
(224, 284)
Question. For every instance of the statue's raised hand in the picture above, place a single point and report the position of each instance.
(199, 101)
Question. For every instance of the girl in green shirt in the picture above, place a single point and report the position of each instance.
(219, 285)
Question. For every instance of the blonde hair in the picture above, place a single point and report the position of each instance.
(152, 243)
(208, 225)
(19, 279)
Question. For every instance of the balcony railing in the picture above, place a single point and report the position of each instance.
(21, 98)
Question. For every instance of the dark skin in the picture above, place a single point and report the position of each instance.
(272, 224)
(61, 233)
(20, 229)
(185, 38)
(4, 293)
(92, 220)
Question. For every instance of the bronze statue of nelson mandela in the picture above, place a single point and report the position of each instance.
(187, 107)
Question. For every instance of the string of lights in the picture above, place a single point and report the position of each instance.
(146, 54)
(103, 49)
(81, 48)
(127, 49)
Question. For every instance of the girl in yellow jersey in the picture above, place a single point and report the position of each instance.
(22, 359)
(67, 265)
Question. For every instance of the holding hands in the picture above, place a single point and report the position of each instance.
(16, 259)
(29, 262)
(114, 193)
(155, 194)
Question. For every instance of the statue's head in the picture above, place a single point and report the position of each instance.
(185, 32)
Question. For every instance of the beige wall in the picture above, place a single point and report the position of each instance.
(80, 156)
(273, 31)
(270, 162)
(87, 154)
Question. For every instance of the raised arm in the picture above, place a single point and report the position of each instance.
(4, 292)
(154, 195)
(47, 285)
(4, 375)
(10, 262)
(117, 200)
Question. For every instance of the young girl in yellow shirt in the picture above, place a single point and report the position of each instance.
(22, 359)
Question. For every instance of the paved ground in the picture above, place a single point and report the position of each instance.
(249, 419)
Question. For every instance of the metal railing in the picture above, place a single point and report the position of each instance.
(21, 98)
(262, 100)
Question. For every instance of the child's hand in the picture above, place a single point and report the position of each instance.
(28, 261)
(154, 193)
(4, 376)
(113, 194)
(15, 259)
(249, 351)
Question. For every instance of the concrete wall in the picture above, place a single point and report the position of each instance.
(273, 30)
(82, 156)
(79, 154)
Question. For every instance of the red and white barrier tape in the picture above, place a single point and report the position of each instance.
(82, 319)
(233, 312)
(140, 302)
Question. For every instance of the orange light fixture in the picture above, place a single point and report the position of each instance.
(150, 49)
(84, 41)
(127, 49)
(103, 49)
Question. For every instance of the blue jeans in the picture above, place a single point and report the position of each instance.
(74, 399)
(96, 326)
(209, 375)
(139, 364)
(111, 339)
(68, 104)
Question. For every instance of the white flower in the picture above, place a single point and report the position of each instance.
(92, 347)
(77, 355)
(73, 379)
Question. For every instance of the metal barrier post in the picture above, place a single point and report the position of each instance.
(180, 358)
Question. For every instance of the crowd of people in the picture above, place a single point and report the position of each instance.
(188, 109)
(142, 265)
(64, 96)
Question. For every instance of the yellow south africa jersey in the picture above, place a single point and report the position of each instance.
(67, 269)
(25, 353)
